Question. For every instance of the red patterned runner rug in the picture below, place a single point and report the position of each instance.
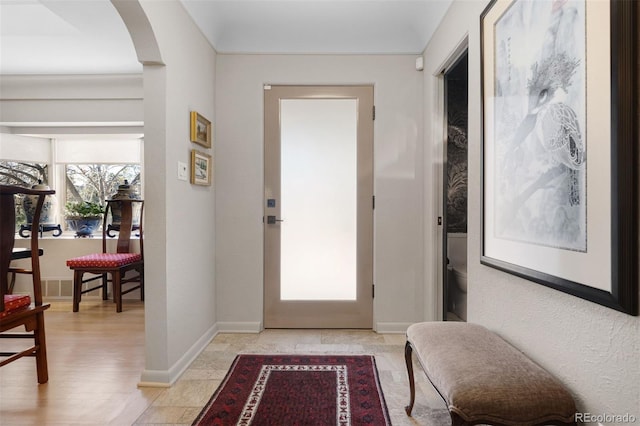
(312, 390)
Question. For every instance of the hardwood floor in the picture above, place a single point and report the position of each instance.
(96, 357)
(95, 360)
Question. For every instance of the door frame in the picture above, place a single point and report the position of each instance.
(439, 193)
(445, 181)
(307, 314)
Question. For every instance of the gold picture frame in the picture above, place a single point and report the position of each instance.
(200, 130)
(201, 168)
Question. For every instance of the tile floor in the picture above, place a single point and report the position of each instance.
(181, 403)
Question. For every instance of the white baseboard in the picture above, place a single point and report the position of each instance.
(165, 378)
(392, 327)
(153, 385)
(239, 327)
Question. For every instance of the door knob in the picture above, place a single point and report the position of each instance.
(271, 220)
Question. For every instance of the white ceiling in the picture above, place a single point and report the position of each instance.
(318, 26)
(64, 36)
(88, 36)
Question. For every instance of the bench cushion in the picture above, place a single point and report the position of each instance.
(483, 378)
(104, 260)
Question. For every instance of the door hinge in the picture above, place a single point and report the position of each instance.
(374, 113)
(373, 202)
(373, 291)
(439, 220)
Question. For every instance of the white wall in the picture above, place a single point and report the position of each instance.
(593, 350)
(398, 178)
(71, 99)
(180, 233)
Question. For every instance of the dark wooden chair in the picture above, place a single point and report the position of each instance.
(17, 254)
(115, 264)
(17, 310)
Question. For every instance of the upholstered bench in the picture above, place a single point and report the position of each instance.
(483, 379)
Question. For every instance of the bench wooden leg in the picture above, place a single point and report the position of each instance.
(412, 385)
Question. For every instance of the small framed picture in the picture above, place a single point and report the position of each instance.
(201, 168)
(200, 130)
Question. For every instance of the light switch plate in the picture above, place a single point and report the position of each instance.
(182, 171)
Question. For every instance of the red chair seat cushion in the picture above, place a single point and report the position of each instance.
(14, 302)
(104, 260)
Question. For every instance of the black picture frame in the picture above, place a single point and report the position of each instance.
(621, 292)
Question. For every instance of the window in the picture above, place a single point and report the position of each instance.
(81, 168)
(96, 182)
(23, 174)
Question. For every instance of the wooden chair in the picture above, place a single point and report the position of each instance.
(17, 254)
(18, 310)
(117, 264)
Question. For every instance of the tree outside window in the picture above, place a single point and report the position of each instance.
(95, 183)
(25, 175)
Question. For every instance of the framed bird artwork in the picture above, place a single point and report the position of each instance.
(559, 147)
